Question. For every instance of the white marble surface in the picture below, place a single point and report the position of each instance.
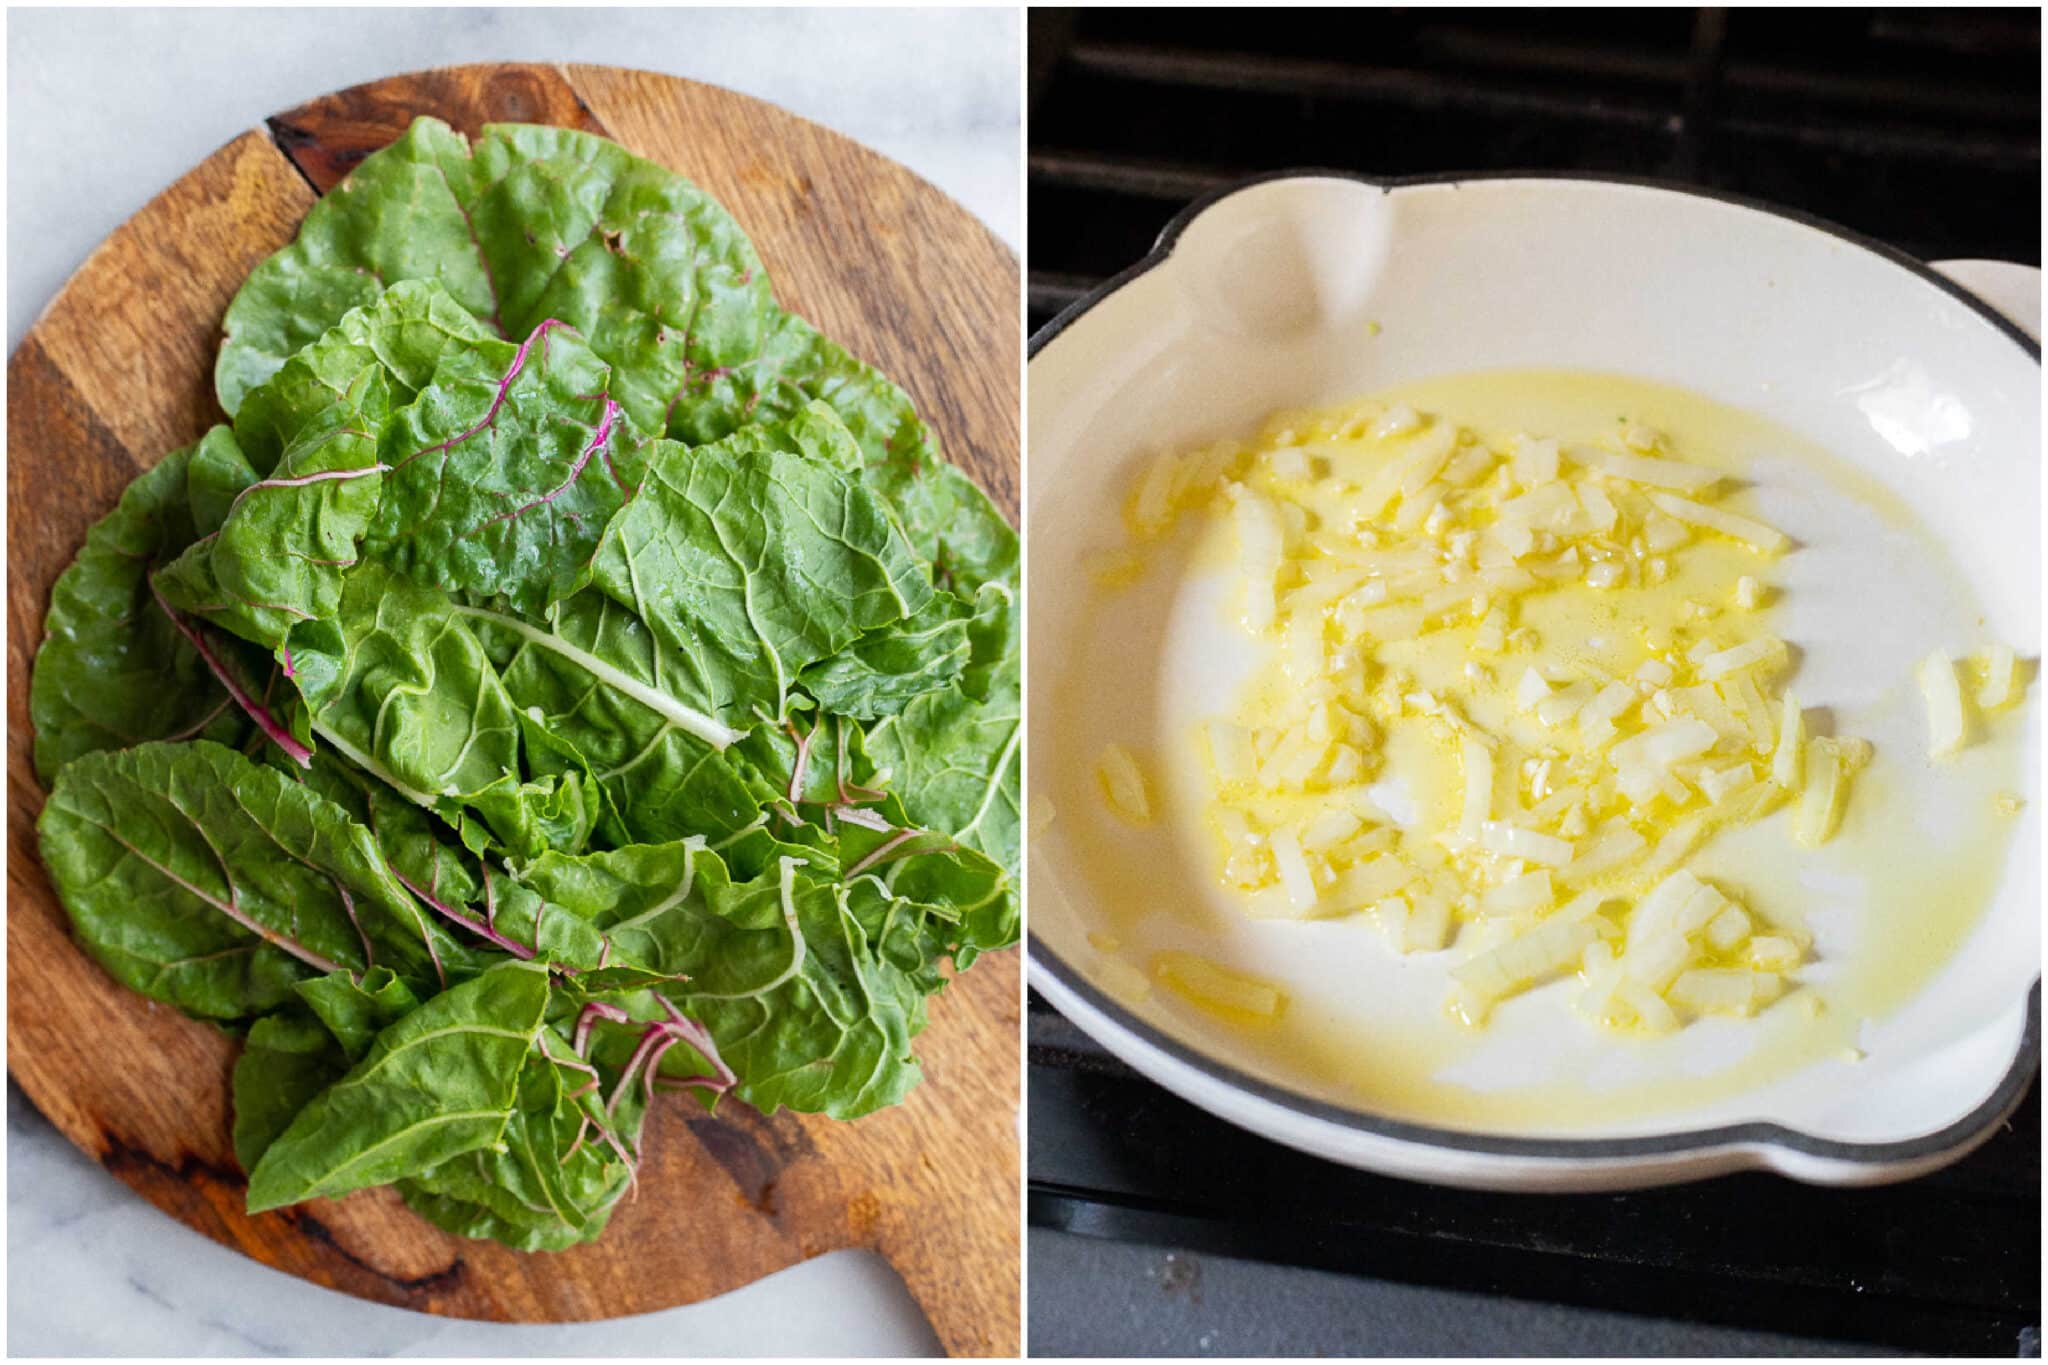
(107, 107)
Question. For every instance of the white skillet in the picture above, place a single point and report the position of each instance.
(1255, 299)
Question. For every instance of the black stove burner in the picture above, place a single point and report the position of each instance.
(1947, 1264)
(1919, 128)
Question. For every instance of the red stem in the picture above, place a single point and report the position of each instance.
(256, 711)
(518, 950)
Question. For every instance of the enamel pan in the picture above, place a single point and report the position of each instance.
(1926, 378)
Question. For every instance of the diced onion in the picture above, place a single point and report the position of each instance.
(1293, 867)
(1477, 760)
(1944, 697)
(1218, 988)
(1512, 841)
(2001, 674)
(1748, 531)
(1738, 657)
(1124, 785)
(1789, 758)
(1258, 547)
(1657, 473)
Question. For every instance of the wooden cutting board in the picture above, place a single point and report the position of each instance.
(117, 372)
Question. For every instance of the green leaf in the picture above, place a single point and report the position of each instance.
(399, 685)
(439, 1082)
(605, 687)
(286, 541)
(313, 441)
(355, 1011)
(213, 883)
(286, 1060)
(886, 669)
(811, 989)
(403, 336)
(754, 558)
(553, 1181)
(953, 756)
(505, 471)
(112, 671)
(532, 223)
(537, 223)
(949, 520)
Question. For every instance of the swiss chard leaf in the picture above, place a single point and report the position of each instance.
(887, 669)
(287, 1059)
(505, 470)
(528, 224)
(811, 988)
(397, 682)
(438, 1083)
(606, 687)
(213, 883)
(535, 223)
(312, 463)
(754, 558)
(112, 669)
(952, 755)
(354, 1011)
(555, 1178)
(286, 541)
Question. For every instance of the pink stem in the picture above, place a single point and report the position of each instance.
(266, 722)
(604, 432)
(648, 1042)
(699, 1037)
(632, 1165)
(518, 950)
(498, 401)
(302, 480)
(348, 903)
(592, 1012)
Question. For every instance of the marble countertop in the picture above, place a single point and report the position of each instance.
(106, 107)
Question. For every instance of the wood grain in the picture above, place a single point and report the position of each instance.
(118, 371)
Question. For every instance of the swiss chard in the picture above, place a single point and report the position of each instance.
(113, 669)
(439, 1082)
(213, 883)
(615, 692)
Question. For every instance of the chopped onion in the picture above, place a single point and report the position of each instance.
(1657, 473)
(1534, 461)
(1512, 841)
(1728, 930)
(1375, 879)
(1477, 760)
(1399, 420)
(1293, 867)
(2001, 675)
(1124, 784)
(1215, 987)
(1230, 751)
(1521, 895)
(1944, 697)
(1750, 532)
(1258, 549)
(1746, 655)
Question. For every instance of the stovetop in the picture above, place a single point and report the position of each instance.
(1947, 1264)
(1157, 1229)
(1918, 127)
